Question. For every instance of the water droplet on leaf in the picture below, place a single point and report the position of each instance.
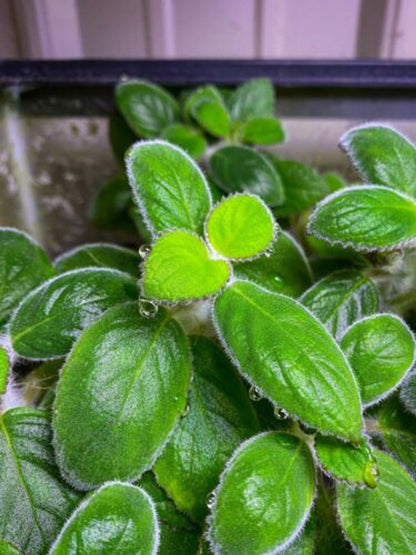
(254, 393)
(147, 309)
(280, 414)
(144, 251)
(371, 473)
(211, 500)
(278, 279)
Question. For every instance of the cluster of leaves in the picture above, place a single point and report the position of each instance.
(229, 401)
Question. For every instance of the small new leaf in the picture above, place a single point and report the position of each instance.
(263, 131)
(207, 107)
(252, 99)
(186, 138)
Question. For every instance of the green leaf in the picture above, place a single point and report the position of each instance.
(110, 207)
(118, 519)
(23, 266)
(4, 369)
(346, 462)
(148, 109)
(382, 155)
(263, 131)
(187, 138)
(219, 417)
(381, 350)
(305, 542)
(99, 255)
(240, 168)
(284, 269)
(34, 501)
(252, 99)
(179, 268)
(120, 135)
(51, 317)
(207, 107)
(302, 185)
(383, 519)
(334, 181)
(119, 397)
(292, 359)
(177, 533)
(264, 496)
(408, 393)
(366, 218)
(7, 548)
(169, 187)
(240, 226)
(341, 298)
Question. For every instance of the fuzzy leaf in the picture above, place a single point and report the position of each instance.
(207, 107)
(118, 519)
(119, 397)
(169, 187)
(382, 155)
(220, 416)
(4, 369)
(366, 218)
(148, 109)
(179, 267)
(305, 542)
(34, 501)
(408, 393)
(252, 99)
(241, 169)
(291, 358)
(383, 519)
(23, 266)
(99, 255)
(341, 298)
(381, 350)
(302, 185)
(241, 226)
(187, 138)
(51, 317)
(264, 496)
(111, 205)
(263, 131)
(285, 269)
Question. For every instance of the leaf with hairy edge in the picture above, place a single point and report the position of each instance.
(180, 268)
(207, 107)
(240, 226)
(382, 155)
(263, 131)
(383, 519)
(187, 138)
(408, 393)
(306, 541)
(34, 501)
(381, 350)
(237, 168)
(50, 318)
(23, 266)
(148, 109)
(365, 218)
(117, 518)
(264, 496)
(4, 369)
(177, 533)
(169, 188)
(119, 397)
(341, 298)
(283, 350)
(285, 268)
(99, 255)
(220, 416)
(252, 99)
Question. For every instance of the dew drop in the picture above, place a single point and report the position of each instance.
(144, 251)
(371, 473)
(278, 278)
(254, 394)
(211, 500)
(147, 309)
(280, 414)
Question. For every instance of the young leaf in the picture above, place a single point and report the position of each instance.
(207, 107)
(341, 298)
(240, 168)
(383, 519)
(285, 269)
(119, 397)
(187, 138)
(4, 369)
(23, 266)
(148, 109)
(34, 501)
(381, 350)
(263, 131)
(264, 496)
(168, 186)
(292, 359)
(50, 318)
(382, 155)
(252, 99)
(110, 207)
(366, 218)
(117, 518)
(240, 226)
(220, 416)
(179, 268)
(408, 393)
(99, 255)
(302, 185)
